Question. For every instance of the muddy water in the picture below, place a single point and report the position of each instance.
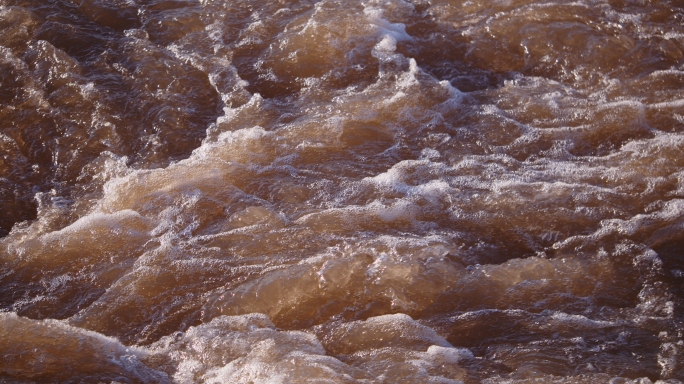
(238, 191)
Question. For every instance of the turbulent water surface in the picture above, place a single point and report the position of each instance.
(341, 191)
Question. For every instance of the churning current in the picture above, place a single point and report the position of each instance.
(341, 191)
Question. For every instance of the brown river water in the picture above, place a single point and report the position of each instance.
(341, 191)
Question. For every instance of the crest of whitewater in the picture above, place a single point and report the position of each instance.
(341, 191)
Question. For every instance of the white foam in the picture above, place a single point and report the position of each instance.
(396, 31)
(248, 349)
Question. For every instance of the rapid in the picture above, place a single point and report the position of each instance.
(341, 191)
